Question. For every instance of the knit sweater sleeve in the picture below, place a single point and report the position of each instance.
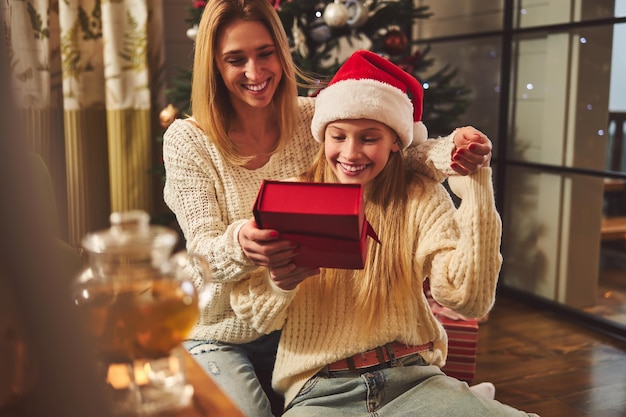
(465, 277)
(260, 303)
(195, 193)
(432, 157)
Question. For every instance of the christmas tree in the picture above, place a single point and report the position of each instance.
(323, 34)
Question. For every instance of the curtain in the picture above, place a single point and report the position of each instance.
(88, 76)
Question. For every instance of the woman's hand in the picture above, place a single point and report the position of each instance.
(472, 150)
(263, 247)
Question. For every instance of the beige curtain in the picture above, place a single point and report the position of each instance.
(88, 80)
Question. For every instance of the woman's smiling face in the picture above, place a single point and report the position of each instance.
(357, 150)
(248, 62)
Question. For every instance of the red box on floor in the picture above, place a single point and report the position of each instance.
(460, 370)
(327, 220)
(462, 341)
(462, 347)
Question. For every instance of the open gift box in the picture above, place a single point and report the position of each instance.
(326, 220)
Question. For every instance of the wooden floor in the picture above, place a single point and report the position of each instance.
(542, 363)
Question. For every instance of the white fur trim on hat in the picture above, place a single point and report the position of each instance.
(420, 133)
(367, 99)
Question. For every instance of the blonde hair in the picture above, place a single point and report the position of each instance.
(210, 102)
(389, 264)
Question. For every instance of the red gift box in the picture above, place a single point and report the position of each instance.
(462, 340)
(324, 252)
(326, 220)
(460, 370)
(462, 347)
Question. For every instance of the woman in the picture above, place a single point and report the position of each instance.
(365, 342)
(248, 124)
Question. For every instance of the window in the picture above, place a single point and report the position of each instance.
(548, 90)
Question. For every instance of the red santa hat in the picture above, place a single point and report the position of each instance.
(368, 86)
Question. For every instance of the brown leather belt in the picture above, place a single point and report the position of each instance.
(380, 355)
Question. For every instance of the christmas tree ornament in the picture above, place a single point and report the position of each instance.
(192, 32)
(358, 13)
(395, 41)
(299, 40)
(167, 115)
(319, 31)
(335, 14)
(410, 62)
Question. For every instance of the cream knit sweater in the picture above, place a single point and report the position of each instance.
(212, 199)
(458, 250)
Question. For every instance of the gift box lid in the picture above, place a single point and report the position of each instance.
(458, 326)
(322, 209)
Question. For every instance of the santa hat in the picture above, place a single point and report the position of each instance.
(368, 86)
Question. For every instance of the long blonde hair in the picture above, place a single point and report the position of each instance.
(210, 102)
(389, 264)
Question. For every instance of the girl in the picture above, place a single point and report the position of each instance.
(365, 342)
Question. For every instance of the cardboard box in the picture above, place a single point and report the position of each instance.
(326, 220)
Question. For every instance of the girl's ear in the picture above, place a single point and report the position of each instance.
(395, 147)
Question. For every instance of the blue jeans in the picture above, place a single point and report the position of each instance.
(410, 388)
(244, 371)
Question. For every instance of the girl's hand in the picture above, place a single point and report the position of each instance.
(472, 152)
(263, 247)
(289, 276)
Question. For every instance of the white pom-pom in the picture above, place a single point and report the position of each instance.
(420, 133)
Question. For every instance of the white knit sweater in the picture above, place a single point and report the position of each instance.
(212, 199)
(458, 250)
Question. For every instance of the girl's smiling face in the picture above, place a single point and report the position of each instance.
(357, 150)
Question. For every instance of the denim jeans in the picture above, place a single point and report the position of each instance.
(243, 371)
(410, 388)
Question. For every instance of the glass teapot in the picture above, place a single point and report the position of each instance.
(139, 303)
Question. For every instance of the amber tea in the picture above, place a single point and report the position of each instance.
(143, 319)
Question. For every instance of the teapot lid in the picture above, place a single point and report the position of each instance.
(130, 231)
